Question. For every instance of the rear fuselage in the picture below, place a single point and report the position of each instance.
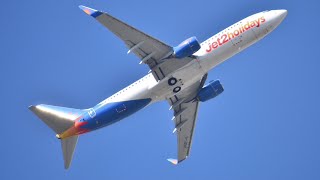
(148, 90)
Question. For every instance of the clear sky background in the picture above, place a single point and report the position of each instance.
(264, 126)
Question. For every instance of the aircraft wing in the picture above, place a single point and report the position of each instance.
(150, 50)
(185, 116)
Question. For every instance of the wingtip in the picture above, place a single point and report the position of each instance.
(31, 107)
(66, 166)
(173, 161)
(91, 12)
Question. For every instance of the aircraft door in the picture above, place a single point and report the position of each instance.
(121, 108)
(92, 113)
(242, 36)
(236, 37)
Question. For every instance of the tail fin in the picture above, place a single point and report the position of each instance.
(59, 119)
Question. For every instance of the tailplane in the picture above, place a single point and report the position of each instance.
(68, 146)
(60, 119)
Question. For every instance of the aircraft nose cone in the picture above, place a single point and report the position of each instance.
(282, 14)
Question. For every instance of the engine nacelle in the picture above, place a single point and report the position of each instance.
(186, 48)
(209, 91)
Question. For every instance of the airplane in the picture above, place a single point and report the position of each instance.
(177, 75)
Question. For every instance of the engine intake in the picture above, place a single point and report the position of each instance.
(209, 91)
(186, 48)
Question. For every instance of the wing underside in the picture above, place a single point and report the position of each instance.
(185, 108)
(149, 50)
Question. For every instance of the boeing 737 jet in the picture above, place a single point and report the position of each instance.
(177, 75)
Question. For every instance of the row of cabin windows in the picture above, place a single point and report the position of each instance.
(137, 82)
(215, 36)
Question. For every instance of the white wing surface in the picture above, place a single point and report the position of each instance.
(150, 50)
(185, 108)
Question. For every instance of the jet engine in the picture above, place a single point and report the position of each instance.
(209, 91)
(186, 48)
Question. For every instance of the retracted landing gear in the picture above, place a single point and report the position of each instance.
(177, 89)
(172, 81)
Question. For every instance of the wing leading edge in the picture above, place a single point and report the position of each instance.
(150, 50)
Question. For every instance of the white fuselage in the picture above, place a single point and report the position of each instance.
(214, 51)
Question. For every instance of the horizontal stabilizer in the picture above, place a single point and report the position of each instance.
(173, 161)
(68, 146)
(59, 119)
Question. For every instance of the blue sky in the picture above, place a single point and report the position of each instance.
(265, 125)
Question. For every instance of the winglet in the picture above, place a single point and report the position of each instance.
(91, 12)
(173, 161)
